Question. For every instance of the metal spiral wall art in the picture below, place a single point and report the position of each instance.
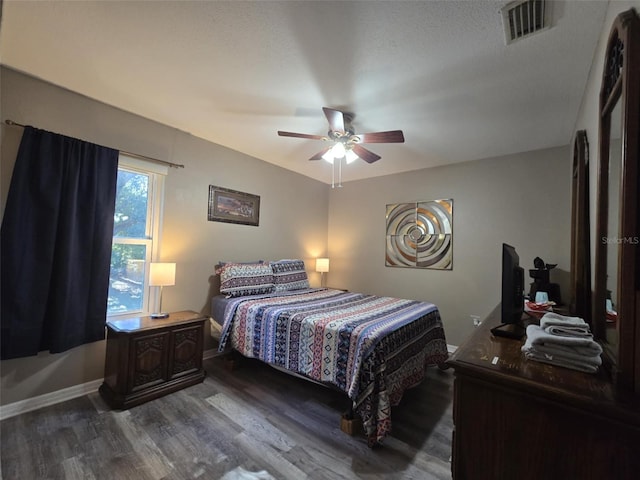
(420, 235)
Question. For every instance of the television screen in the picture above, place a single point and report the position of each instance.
(512, 299)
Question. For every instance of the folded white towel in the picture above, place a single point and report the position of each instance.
(583, 366)
(570, 331)
(576, 353)
(537, 336)
(570, 352)
(552, 318)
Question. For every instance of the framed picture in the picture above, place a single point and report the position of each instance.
(420, 235)
(231, 206)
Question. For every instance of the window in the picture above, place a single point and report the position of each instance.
(137, 219)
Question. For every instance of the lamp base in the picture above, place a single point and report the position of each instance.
(159, 315)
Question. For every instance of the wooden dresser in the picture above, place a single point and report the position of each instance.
(147, 358)
(519, 419)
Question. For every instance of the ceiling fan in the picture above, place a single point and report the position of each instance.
(345, 142)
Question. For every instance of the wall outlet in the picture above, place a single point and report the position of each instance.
(476, 320)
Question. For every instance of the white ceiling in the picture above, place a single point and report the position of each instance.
(236, 72)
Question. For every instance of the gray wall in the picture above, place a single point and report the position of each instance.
(293, 212)
(522, 199)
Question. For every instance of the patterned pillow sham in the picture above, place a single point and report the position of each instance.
(222, 264)
(240, 279)
(289, 275)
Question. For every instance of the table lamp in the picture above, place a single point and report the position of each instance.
(161, 275)
(322, 266)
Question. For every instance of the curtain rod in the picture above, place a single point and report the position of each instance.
(135, 155)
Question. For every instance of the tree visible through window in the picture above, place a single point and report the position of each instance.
(135, 217)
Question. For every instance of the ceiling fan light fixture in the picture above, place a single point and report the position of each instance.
(328, 156)
(350, 156)
(344, 142)
(338, 150)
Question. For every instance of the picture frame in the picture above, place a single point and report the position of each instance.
(420, 234)
(232, 206)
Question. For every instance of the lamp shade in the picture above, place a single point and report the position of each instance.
(162, 274)
(350, 156)
(322, 265)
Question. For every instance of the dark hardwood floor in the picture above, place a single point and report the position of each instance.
(255, 418)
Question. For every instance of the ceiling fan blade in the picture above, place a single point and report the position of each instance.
(318, 156)
(335, 118)
(301, 135)
(366, 155)
(392, 136)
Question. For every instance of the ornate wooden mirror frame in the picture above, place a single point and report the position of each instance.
(617, 273)
(580, 302)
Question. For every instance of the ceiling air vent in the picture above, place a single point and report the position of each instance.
(522, 19)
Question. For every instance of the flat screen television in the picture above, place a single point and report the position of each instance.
(512, 303)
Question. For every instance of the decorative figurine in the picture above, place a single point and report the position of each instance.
(541, 283)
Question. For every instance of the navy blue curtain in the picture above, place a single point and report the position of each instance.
(56, 244)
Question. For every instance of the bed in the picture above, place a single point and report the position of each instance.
(372, 348)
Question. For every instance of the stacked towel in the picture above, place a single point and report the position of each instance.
(557, 324)
(563, 341)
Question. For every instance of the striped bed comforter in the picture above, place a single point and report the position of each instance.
(372, 348)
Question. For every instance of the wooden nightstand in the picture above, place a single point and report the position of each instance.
(147, 358)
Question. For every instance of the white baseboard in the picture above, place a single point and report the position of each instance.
(34, 403)
(207, 354)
